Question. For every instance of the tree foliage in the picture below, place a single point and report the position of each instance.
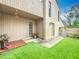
(76, 23)
(73, 13)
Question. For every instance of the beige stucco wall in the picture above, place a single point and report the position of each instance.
(40, 28)
(31, 6)
(15, 27)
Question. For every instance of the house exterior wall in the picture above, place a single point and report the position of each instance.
(31, 6)
(18, 27)
(15, 27)
(52, 19)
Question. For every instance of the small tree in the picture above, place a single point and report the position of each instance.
(76, 23)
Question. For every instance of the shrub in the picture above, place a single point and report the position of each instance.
(73, 35)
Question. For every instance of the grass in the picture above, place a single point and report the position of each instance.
(66, 49)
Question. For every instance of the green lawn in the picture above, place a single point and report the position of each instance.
(66, 49)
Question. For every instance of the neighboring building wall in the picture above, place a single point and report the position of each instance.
(31, 6)
(15, 27)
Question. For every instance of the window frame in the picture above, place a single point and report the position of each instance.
(49, 8)
(58, 16)
(30, 28)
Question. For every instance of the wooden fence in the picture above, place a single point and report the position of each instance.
(72, 31)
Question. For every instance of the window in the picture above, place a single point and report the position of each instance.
(58, 16)
(60, 31)
(30, 29)
(52, 25)
(49, 9)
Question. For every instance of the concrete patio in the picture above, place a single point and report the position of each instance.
(52, 42)
(46, 43)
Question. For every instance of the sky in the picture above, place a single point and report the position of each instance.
(64, 5)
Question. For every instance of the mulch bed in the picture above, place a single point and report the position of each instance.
(13, 44)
